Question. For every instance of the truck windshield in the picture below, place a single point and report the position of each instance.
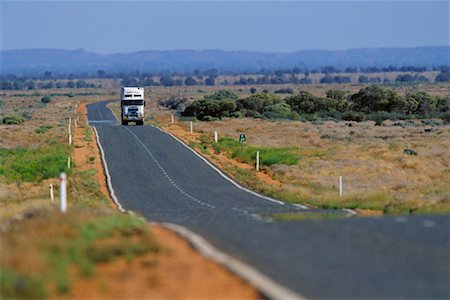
(132, 102)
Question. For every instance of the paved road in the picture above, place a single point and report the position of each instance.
(388, 257)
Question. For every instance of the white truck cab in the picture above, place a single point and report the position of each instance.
(132, 105)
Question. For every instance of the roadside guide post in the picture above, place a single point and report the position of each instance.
(242, 140)
(63, 192)
(52, 197)
(257, 161)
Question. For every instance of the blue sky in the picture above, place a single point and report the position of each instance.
(268, 26)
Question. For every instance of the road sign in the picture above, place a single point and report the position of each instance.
(242, 138)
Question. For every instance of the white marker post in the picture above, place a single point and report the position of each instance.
(191, 130)
(63, 192)
(216, 137)
(340, 186)
(52, 196)
(70, 123)
(68, 162)
(172, 119)
(70, 139)
(257, 161)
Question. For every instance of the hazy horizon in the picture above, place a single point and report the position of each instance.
(110, 27)
(200, 50)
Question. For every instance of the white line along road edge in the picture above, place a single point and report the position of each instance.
(108, 176)
(219, 171)
(264, 284)
(261, 282)
(224, 175)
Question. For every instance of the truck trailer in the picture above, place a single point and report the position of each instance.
(132, 105)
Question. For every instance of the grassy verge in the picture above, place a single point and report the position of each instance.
(66, 247)
(34, 164)
(44, 252)
(245, 153)
(306, 192)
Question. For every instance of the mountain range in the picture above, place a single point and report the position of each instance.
(36, 61)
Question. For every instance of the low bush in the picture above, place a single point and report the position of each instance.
(33, 165)
(268, 156)
(13, 120)
(353, 116)
(46, 99)
(43, 129)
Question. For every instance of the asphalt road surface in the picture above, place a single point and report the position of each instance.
(383, 257)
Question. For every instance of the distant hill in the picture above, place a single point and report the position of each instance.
(36, 61)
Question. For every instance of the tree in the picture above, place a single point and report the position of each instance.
(166, 80)
(443, 76)
(278, 111)
(303, 102)
(80, 84)
(189, 81)
(327, 79)
(101, 73)
(210, 81)
(258, 102)
(422, 103)
(363, 79)
(374, 98)
(205, 109)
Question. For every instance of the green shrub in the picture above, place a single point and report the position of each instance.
(46, 99)
(13, 120)
(268, 156)
(215, 106)
(33, 165)
(257, 102)
(43, 129)
(353, 116)
(278, 111)
(15, 286)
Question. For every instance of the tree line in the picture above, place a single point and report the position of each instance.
(210, 77)
(372, 102)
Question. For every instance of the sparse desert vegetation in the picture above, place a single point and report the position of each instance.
(379, 171)
(84, 253)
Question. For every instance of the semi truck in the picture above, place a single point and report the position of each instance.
(132, 105)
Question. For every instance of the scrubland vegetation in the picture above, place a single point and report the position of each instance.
(44, 252)
(370, 103)
(393, 161)
(84, 253)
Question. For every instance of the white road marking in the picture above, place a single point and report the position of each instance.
(220, 172)
(300, 206)
(167, 175)
(349, 212)
(263, 283)
(108, 176)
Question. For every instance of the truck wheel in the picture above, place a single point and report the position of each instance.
(124, 122)
(140, 122)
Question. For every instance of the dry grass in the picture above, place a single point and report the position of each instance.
(377, 173)
(85, 253)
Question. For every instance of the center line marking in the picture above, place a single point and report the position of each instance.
(172, 183)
